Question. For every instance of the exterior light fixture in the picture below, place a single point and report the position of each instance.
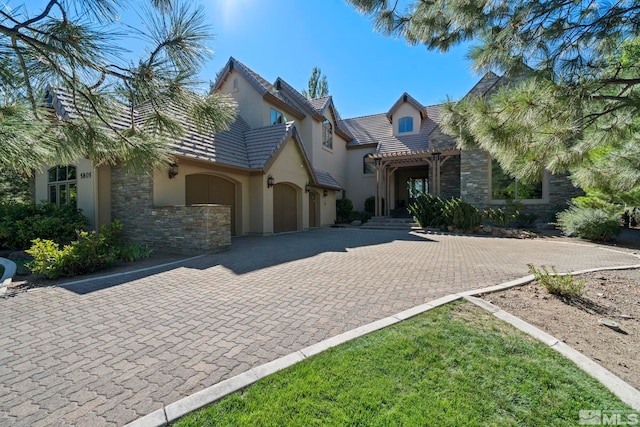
(270, 181)
(307, 188)
(325, 193)
(173, 170)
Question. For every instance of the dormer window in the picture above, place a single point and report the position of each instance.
(277, 117)
(405, 124)
(327, 134)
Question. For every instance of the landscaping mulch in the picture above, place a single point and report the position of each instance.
(613, 295)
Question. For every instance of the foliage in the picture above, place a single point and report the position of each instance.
(344, 207)
(370, 205)
(440, 365)
(15, 187)
(427, 210)
(90, 252)
(360, 216)
(570, 99)
(509, 216)
(318, 85)
(590, 223)
(432, 211)
(558, 284)
(79, 48)
(20, 223)
(461, 215)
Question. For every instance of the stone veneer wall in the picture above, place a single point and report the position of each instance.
(186, 229)
(474, 187)
(450, 178)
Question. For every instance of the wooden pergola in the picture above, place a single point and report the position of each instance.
(387, 163)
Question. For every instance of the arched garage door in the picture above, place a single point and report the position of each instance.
(203, 189)
(285, 208)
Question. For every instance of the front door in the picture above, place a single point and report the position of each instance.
(417, 186)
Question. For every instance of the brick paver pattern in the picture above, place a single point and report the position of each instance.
(110, 351)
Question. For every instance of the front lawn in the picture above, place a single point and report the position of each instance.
(455, 365)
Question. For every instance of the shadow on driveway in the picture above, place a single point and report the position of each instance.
(248, 254)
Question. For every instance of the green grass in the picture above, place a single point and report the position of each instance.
(455, 365)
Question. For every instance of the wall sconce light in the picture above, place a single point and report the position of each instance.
(173, 170)
(325, 193)
(307, 188)
(270, 181)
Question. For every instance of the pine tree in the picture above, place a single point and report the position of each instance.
(318, 85)
(573, 97)
(79, 47)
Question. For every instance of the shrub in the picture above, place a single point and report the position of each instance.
(427, 210)
(370, 205)
(20, 223)
(90, 252)
(589, 223)
(344, 207)
(461, 215)
(561, 285)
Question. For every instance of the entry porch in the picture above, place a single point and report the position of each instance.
(401, 177)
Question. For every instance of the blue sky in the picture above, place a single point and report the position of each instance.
(367, 72)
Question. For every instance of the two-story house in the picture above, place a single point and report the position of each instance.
(282, 165)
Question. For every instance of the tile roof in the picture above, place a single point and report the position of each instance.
(324, 179)
(262, 143)
(377, 129)
(239, 146)
(319, 104)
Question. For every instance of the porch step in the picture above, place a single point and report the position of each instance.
(387, 223)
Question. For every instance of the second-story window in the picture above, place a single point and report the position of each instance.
(405, 124)
(327, 134)
(277, 117)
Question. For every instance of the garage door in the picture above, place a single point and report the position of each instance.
(203, 189)
(285, 208)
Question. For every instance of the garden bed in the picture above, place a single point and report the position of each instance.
(613, 295)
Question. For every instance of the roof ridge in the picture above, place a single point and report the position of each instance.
(362, 117)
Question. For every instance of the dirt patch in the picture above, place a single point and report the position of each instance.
(613, 295)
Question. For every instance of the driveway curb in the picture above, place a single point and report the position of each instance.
(624, 391)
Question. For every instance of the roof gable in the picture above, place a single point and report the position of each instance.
(405, 97)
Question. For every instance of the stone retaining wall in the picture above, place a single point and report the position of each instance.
(185, 229)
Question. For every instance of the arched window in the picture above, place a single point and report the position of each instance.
(63, 187)
(367, 166)
(405, 124)
(327, 134)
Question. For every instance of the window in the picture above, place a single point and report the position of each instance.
(503, 187)
(367, 166)
(277, 117)
(327, 134)
(405, 124)
(63, 188)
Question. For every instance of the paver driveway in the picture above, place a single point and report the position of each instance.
(110, 351)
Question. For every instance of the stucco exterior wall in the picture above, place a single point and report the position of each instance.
(289, 167)
(406, 110)
(199, 228)
(86, 179)
(247, 98)
(360, 186)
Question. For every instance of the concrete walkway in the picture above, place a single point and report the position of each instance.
(109, 351)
